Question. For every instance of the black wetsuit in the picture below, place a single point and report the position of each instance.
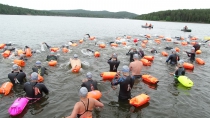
(179, 71)
(30, 92)
(153, 51)
(20, 76)
(51, 57)
(191, 55)
(90, 85)
(131, 55)
(10, 49)
(86, 109)
(40, 70)
(141, 53)
(173, 58)
(113, 65)
(126, 84)
(197, 47)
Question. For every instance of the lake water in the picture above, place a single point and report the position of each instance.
(166, 100)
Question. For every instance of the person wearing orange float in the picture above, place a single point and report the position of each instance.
(126, 84)
(39, 69)
(17, 76)
(113, 63)
(179, 70)
(173, 58)
(75, 64)
(89, 83)
(52, 57)
(191, 54)
(136, 67)
(84, 108)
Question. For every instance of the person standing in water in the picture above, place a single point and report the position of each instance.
(132, 53)
(113, 63)
(84, 108)
(136, 67)
(89, 83)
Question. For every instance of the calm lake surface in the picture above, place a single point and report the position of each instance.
(166, 99)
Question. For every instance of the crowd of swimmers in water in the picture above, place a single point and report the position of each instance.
(125, 77)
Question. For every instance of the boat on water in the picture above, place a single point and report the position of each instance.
(144, 26)
(186, 30)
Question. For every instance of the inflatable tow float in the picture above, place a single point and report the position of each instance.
(139, 100)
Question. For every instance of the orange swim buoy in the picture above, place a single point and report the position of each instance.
(164, 53)
(177, 49)
(52, 63)
(145, 41)
(74, 44)
(65, 50)
(108, 75)
(19, 52)
(150, 79)
(92, 38)
(139, 100)
(149, 58)
(102, 45)
(81, 41)
(168, 39)
(28, 52)
(6, 53)
(94, 94)
(114, 45)
(40, 78)
(54, 49)
(76, 69)
(6, 88)
(128, 37)
(200, 61)
(2, 46)
(198, 52)
(97, 54)
(124, 43)
(161, 36)
(158, 41)
(19, 62)
(184, 43)
(146, 62)
(188, 66)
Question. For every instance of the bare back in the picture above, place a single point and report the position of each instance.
(136, 67)
(75, 62)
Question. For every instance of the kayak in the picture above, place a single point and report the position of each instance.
(143, 26)
(186, 30)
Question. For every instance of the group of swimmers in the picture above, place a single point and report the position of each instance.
(125, 78)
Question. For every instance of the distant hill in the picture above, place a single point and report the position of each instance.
(181, 15)
(6, 9)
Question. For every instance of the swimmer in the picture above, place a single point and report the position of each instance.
(173, 58)
(113, 63)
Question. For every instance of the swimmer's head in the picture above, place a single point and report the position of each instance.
(34, 76)
(114, 55)
(15, 67)
(192, 49)
(75, 56)
(173, 51)
(38, 63)
(83, 92)
(180, 63)
(89, 75)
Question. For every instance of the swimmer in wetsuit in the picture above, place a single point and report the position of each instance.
(191, 54)
(17, 76)
(132, 53)
(89, 83)
(179, 70)
(84, 108)
(113, 63)
(173, 58)
(52, 57)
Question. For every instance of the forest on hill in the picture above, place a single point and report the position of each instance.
(12, 10)
(181, 15)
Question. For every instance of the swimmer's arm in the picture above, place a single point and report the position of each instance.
(98, 104)
(74, 112)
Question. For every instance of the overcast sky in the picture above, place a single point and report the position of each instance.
(134, 6)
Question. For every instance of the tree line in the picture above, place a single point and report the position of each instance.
(11, 10)
(181, 15)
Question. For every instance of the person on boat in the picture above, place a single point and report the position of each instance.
(150, 25)
(132, 53)
(186, 27)
(191, 54)
(52, 57)
(113, 63)
(173, 58)
(75, 62)
(196, 46)
(136, 67)
(89, 83)
(153, 50)
(84, 108)
(16, 76)
(141, 52)
(39, 69)
(33, 89)
(146, 24)
(126, 84)
(179, 70)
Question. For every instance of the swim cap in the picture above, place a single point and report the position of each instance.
(15, 67)
(83, 92)
(173, 50)
(34, 76)
(192, 48)
(51, 52)
(180, 62)
(114, 55)
(75, 56)
(38, 63)
(135, 56)
(89, 75)
(125, 68)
